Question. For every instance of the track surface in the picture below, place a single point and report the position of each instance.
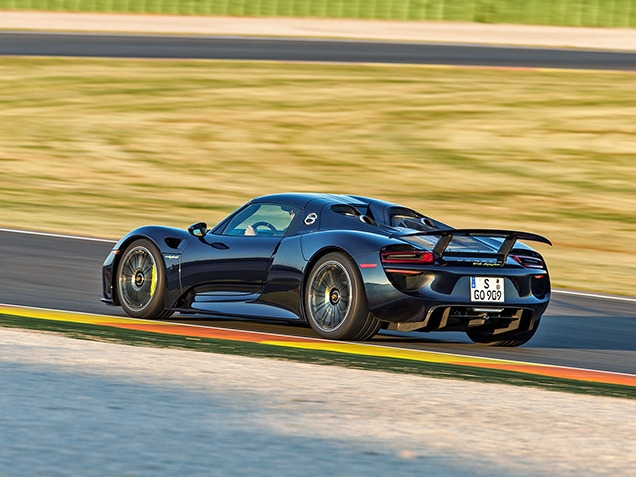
(578, 330)
(147, 46)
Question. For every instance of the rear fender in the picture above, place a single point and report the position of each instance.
(352, 242)
(364, 249)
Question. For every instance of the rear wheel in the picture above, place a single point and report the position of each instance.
(335, 301)
(141, 281)
(509, 339)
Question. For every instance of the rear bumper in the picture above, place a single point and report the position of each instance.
(440, 298)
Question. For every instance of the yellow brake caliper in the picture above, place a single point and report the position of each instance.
(153, 280)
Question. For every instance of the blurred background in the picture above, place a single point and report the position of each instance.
(596, 13)
(99, 146)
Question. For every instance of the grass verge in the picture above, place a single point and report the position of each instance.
(330, 358)
(598, 13)
(98, 147)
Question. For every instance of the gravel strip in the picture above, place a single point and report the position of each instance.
(75, 407)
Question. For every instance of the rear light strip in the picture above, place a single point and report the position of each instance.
(528, 262)
(408, 257)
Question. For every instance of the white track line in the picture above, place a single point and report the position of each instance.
(595, 295)
(46, 234)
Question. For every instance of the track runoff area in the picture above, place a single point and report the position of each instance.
(318, 351)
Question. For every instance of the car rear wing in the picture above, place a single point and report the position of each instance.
(510, 238)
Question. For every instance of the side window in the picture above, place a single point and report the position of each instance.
(264, 220)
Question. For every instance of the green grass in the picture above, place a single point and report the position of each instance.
(99, 147)
(596, 13)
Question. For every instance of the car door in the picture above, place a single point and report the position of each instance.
(236, 259)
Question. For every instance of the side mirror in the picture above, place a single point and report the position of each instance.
(198, 230)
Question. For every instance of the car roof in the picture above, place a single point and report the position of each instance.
(301, 199)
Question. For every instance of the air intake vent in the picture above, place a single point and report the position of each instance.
(173, 242)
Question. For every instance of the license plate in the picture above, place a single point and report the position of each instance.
(486, 289)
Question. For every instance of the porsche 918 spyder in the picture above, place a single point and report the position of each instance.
(346, 265)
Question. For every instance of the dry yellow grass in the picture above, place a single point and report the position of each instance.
(98, 147)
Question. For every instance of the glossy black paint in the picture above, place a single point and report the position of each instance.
(263, 277)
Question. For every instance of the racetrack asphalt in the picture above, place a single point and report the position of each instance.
(68, 278)
(303, 50)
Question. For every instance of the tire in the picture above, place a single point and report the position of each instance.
(335, 302)
(141, 281)
(509, 339)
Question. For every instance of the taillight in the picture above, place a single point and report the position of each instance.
(407, 257)
(528, 262)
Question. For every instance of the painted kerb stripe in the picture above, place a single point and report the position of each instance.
(360, 349)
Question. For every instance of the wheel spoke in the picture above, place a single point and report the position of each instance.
(330, 296)
(138, 278)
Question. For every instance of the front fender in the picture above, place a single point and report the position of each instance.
(170, 242)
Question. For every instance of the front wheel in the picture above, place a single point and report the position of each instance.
(141, 281)
(335, 301)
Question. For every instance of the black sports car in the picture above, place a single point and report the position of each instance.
(346, 265)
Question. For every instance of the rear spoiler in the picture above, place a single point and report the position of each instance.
(510, 238)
